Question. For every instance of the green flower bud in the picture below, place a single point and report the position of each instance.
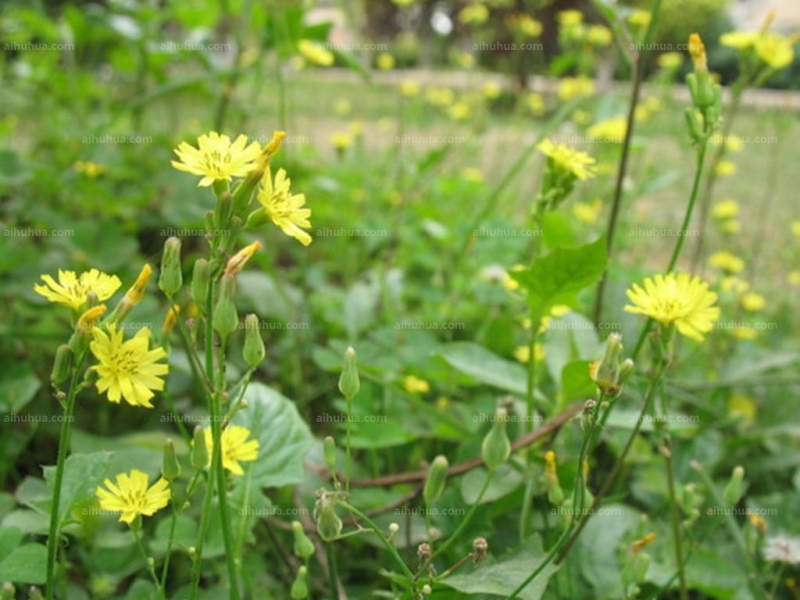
(300, 586)
(226, 319)
(642, 563)
(437, 477)
(199, 456)
(8, 592)
(329, 525)
(253, 352)
(329, 449)
(170, 279)
(170, 468)
(733, 491)
(62, 365)
(349, 384)
(496, 447)
(303, 546)
(201, 279)
(257, 218)
(35, 593)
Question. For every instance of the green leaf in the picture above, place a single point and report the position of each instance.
(557, 277)
(26, 564)
(575, 382)
(82, 474)
(10, 537)
(261, 293)
(486, 367)
(557, 230)
(283, 436)
(504, 576)
(19, 385)
(505, 480)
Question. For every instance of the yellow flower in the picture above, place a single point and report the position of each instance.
(415, 385)
(72, 290)
(283, 207)
(726, 261)
(491, 90)
(570, 87)
(640, 18)
(459, 111)
(740, 405)
(91, 169)
(235, 447)
(726, 167)
(796, 228)
(410, 88)
(472, 174)
(525, 24)
(569, 159)
(741, 40)
(385, 61)
(237, 262)
(440, 96)
(581, 117)
(775, 50)
(560, 310)
(315, 54)
(744, 333)
(726, 209)
(132, 497)
(570, 17)
(474, 13)
(752, 301)
(670, 60)
(465, 60)
(697, 51)
(680, 299)
(731, 226)
(127, 369)
(216, 159)
(598, 35)
(734, 143)
(586, 212)
(341, 140)
(611, 130)
(794, 278)
(523, 353)
(535, 104)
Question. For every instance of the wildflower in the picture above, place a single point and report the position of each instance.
(341, 141)
(743, 407)
(535, 104)
(726, 261)
(794, 278)
(525, 24)
(796, 228)
(697, 51)
(91, 169)
(680, 299)
(734, 283)
(744, 333)
(523, 353)
(570, 17)
(73, 291)
(410, 88)
(491, 90)
(588, 213)
(132, 497)
(741, 40)
(578, 163)
(235, 447)
(459, 111)
(611, 130)
(670, 60)
(237, 262)
(170, 320)
(385, 61)
(775, 50)
(440, 96)
(315, 54)
(759, 523)
(571, 87)
(643, 543)
(752, 301)
(415, 385)
(639, 18)
(475, 14)
(598, 35)
(731, 226)
(283, 207)
(127, 369)
(216, 158)
(726, 209)
(581, 117)
(726, 167)
(782, 548)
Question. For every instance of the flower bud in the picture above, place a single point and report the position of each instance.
(303, 546)
(170, 279)
(61, 365)
(226, 319)
(253, 351)
(606, 372)
(170, 468)
(329, 525)
(733, 491)
(237, 262)
(300, 586)
(480, 549)
(8, 592)
(349, 383)
(79, 341)
(554, 492)
(243, 194)
(201, 280)
(170, 320)
(133, 296)
(393, 529)
(437, 477)
(329, 450)
(697, 51)
(427, 590)
(496, 447)
(199, 456)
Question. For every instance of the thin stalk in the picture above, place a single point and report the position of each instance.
(148, 562)
(333, 574)
(347, 442)
(530, 399)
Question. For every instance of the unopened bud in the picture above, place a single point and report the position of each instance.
(329, 450)
(170, 320)
(303, 546)
(329, 525)
(253, 351)
(170, 468)
(554, 492)
(349, 383)
(201, 280)
(226, 319)
(62, 365)
(199, 456)
(427, 590)
(393, 529)
(605, 373)
(8, 592)
(300, 586)
(79, 341)
(480, 548)
(170, 279)
(243, 194)
(435, 482)
(496, 447)
(733, 491)
(237, 262)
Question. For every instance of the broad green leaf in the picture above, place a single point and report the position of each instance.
(269, 299)
(10, 537)
(505, 480)
(557, 277)
(26, 564)
(501, 577)
(359, 307)
(82, 474)
(19, 385)
(486, 367)
(283, 436)
(557, 230)
(575, 382)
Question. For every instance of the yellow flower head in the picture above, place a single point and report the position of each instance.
(794, 278)
(670, 60)
(237, 262)
(315, 54)
(476, 13)
(599, 35)
(415, 385)
(759, 523)
(775, 50)
(72, 290)
(525, 24)
(611, 130)
(726, 209)
(726, 261)
(127, 369)
(459, 111)
(91, 169)
(89, 319)
(796, 228)
(571, 87)
(284, 208)
(731, 226)
(741, 40)
(523, 353)
(535, 104)
(725, 168)
(385, 61)
(643, 543)
(410, 88)
(569, 159)
(216, 158)
(491, 90)
(586, 212)
(132, 497)
(550, 468)
(752, 301)
(697, 51)
(341, 140)
(569, 18)
(676, 299)
(235, 447)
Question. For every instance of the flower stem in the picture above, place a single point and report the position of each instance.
(148, 562)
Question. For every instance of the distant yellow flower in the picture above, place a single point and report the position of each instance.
(680, 299)
(415, 385)
(581, 117)
(796, 228)
(535, 104)
(459, 111)
(588, 213)
(525, 24)
(410, 88)
(745, 407)
(740, 40)
(568, 159)
(315, 54)
(753, 301)
(385, 61)
(440, 96)
(599, 35)
(670, 60)
(570, 17)
(731, 226)
(465, 60)
(560, 310)
(775, 50)
(734, 143)
(523, 353)
(91, 169)
(640, 18)
(127, 369)
(726, 261)
(744, 333)
(341, 140)
(726, 209)
(491, 90)
(571, 87)
(216, 159)
(476, 14)
(610, 130)
(284, 208)
(236, 447)
(725, 168)
(794, 278)
(132, 497)
(72, 290)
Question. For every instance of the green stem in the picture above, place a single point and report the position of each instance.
(148, 562)
(333, 574)
(347, 466)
